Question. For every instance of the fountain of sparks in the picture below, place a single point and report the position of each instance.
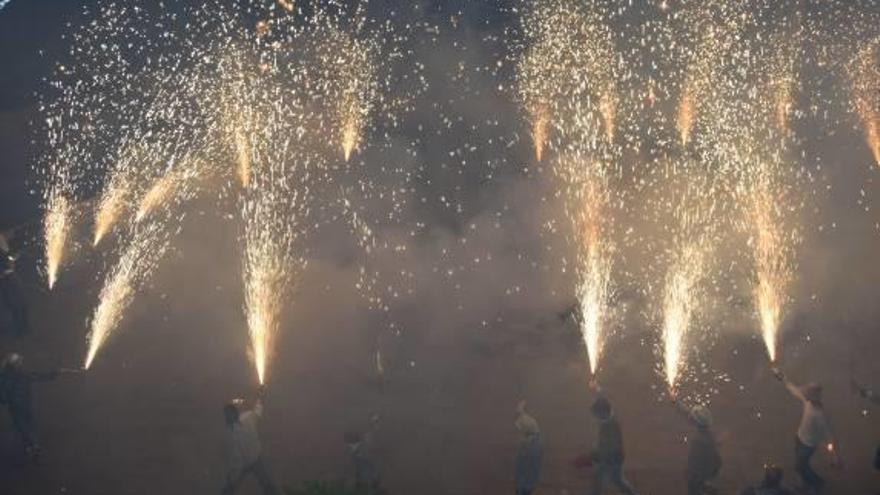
(56, 228)
(351, 69)
(594, 270)
(274, 213)
(568, 70)
(688, 263)
(133, 269)
(865, 88)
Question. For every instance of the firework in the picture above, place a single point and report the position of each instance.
(175, 184)
(133, 269)
(680, 301)
(594, 272)
(56, 228)
(865, 88)
(686, 115)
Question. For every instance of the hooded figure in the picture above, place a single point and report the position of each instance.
(814, 430)
(244, 451)
(704, 460)
(529, 454)
(15, 392)
(609, 453)
(11, 293)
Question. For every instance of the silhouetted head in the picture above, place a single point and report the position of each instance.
(13, 361)
(230, 414)
(813, 393)
(601, 408)
(702, 416)
(772, 476)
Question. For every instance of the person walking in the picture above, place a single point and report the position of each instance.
(609, 454)
(704, 459)
(244, 451)
(813, 432)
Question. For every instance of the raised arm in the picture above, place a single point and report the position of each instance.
(793, 389)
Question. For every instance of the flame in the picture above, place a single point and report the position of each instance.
(242, 149)
(540, 132)
(110, 208)
(56, 227)
(608, 109)
(686, 116)
(350, 136)
(783, 106)
(865, 76)
(156, 196)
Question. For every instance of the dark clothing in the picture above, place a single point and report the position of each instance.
(609, 458)
(609, 448)
(762, 490)
(12, 296)
(259, 471)
(366, 471)
(877, 459)
(15, 392)
(612, 472)
(704, 461)
(528, 464)
(802, 455)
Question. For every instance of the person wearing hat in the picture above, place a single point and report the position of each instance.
(609, 455)
(814, 431)
(15, 392)
(770, 485)
(244, 451)
(704, 460)
(530, 452)
(11, 293)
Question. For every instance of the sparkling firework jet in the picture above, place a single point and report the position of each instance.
(540, 127)
(692, 210)
(353, 77)
(270, 258)
(686, 115)
(865, 88)
(175, 184)
(56, 227)
(131, 271)
(765, 193)
(594, 272)
(680, 301)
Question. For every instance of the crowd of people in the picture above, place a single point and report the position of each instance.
(244, 453)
